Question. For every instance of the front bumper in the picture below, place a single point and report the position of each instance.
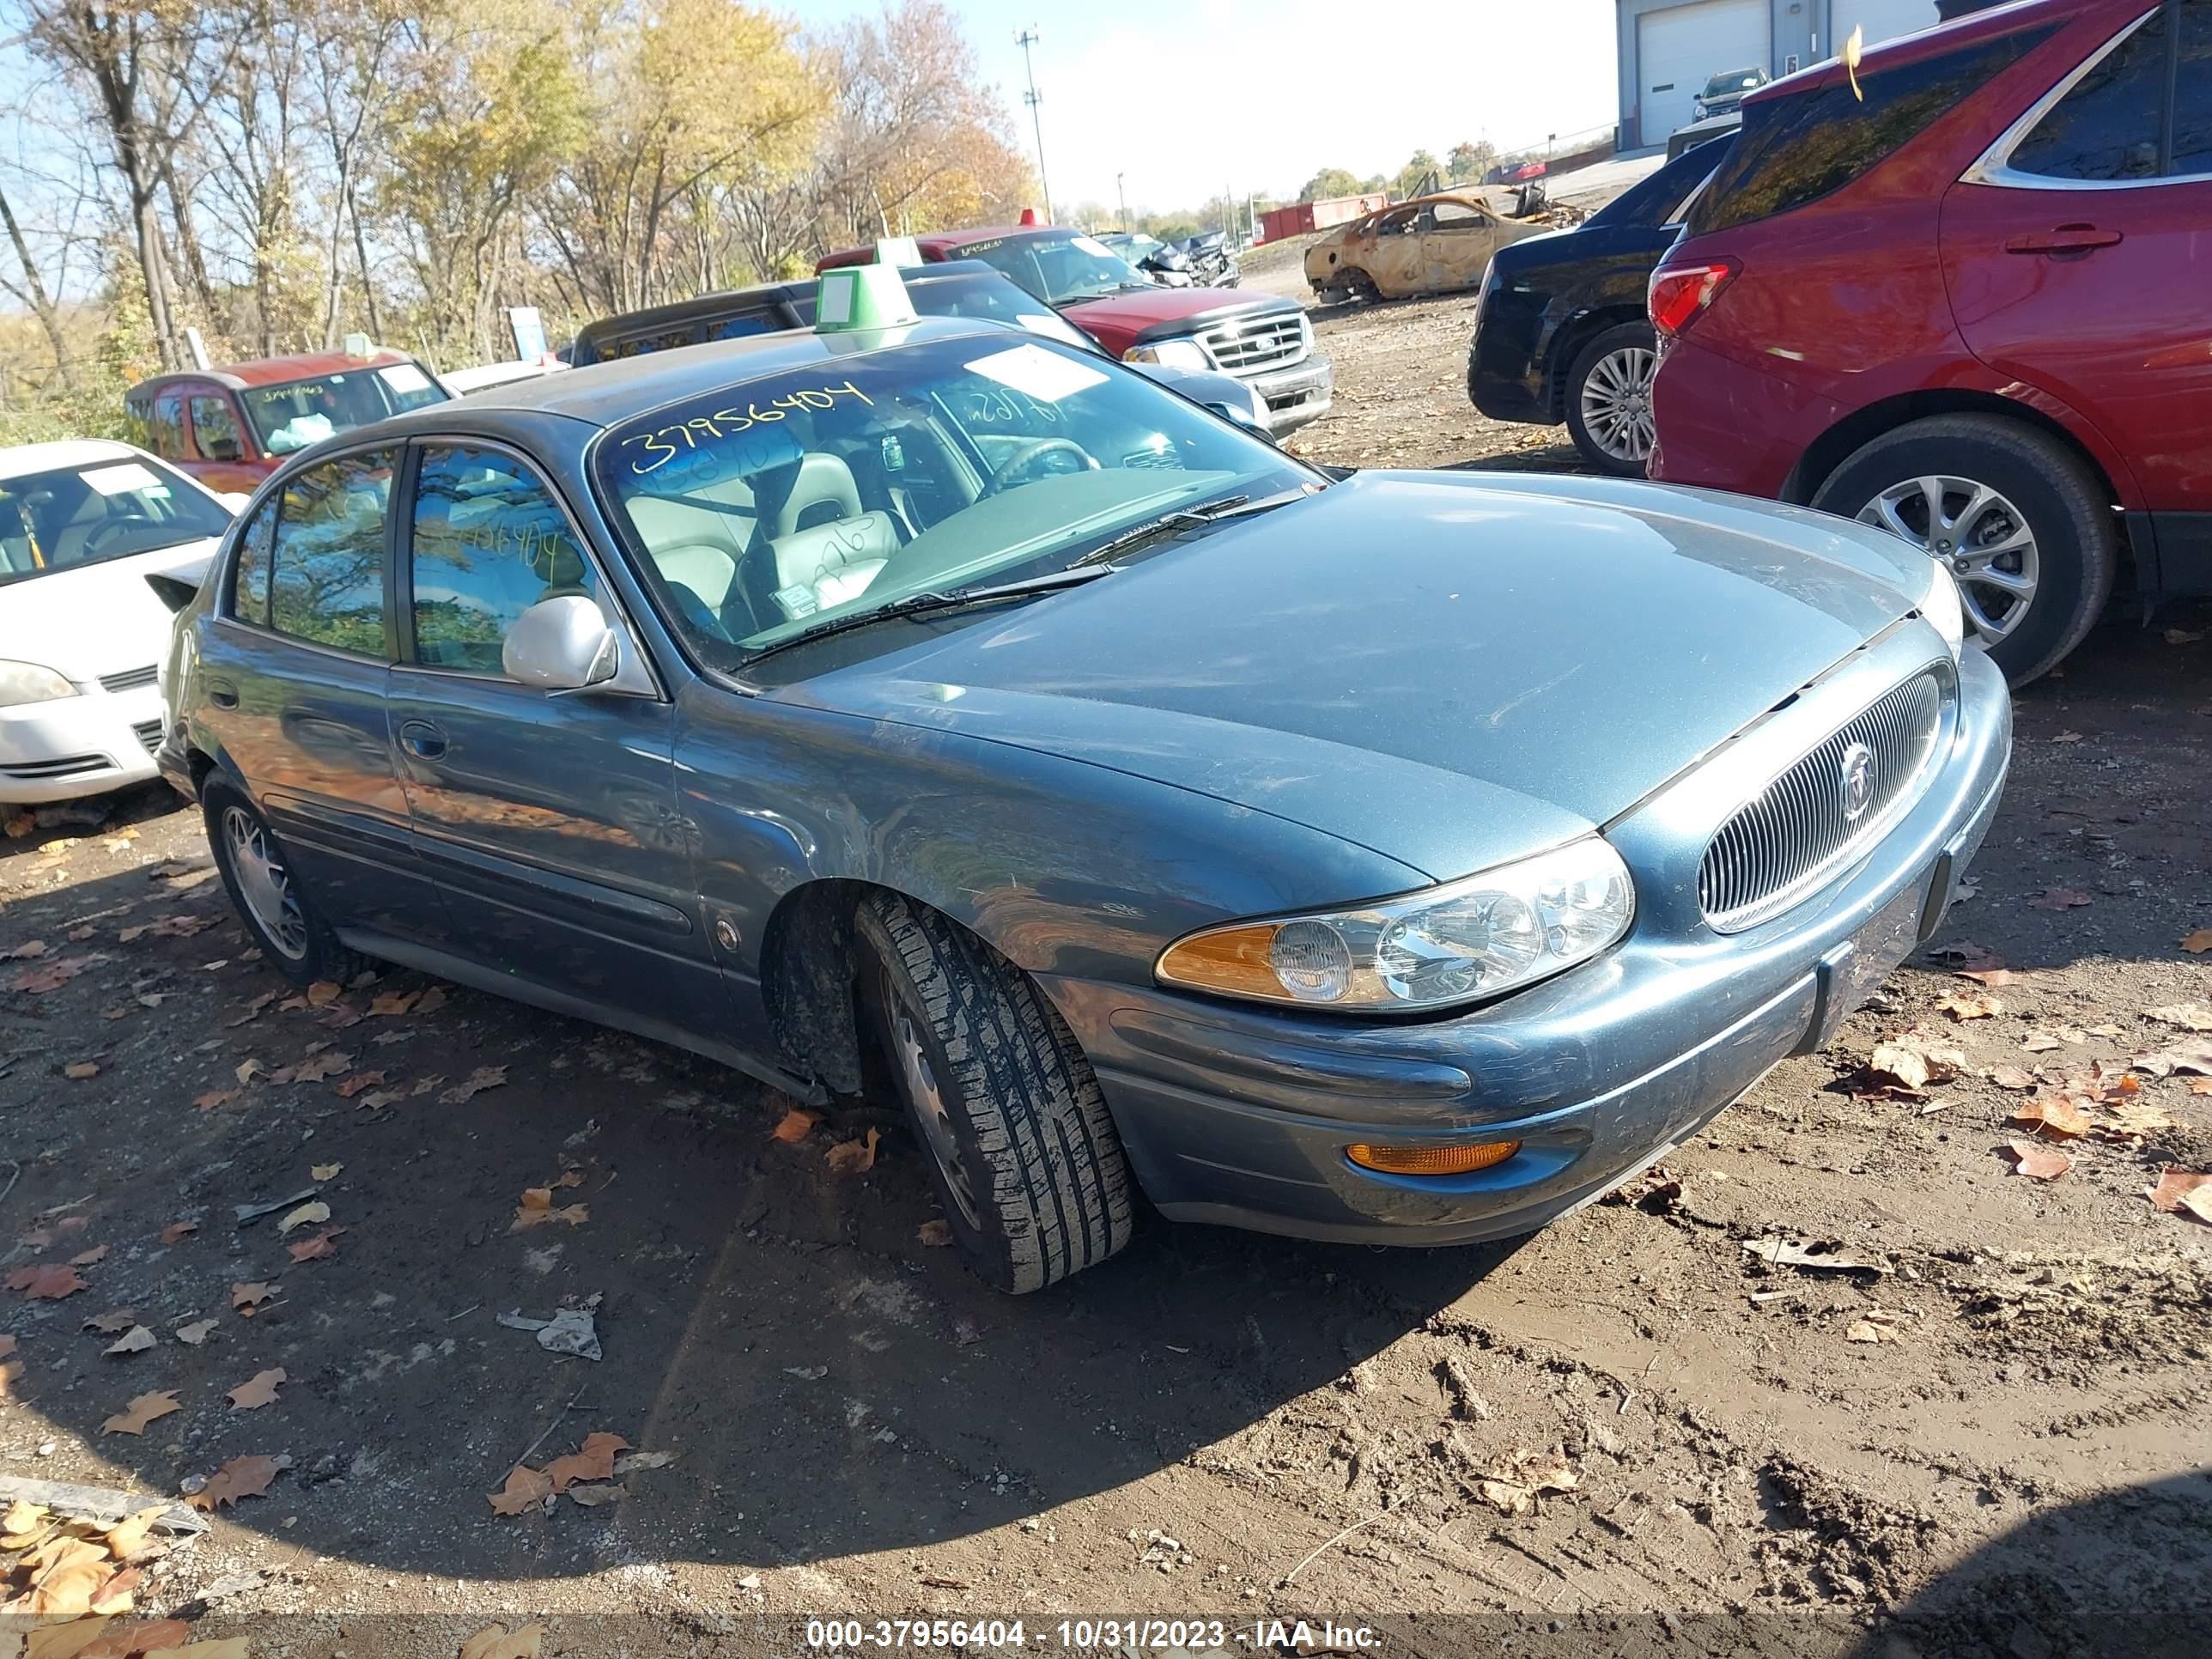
(71, 747)
(1238, 1115)
(1295, 395)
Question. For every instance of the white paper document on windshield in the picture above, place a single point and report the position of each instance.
(1035, 372)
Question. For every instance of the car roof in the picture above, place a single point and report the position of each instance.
(21, 459)
(275, 371)
(719, 302)
(607, 393)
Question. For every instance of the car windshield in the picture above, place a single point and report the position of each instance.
(1735, 81)
(1058, 267)
(302, 412)
(79, 515)
(832, 491)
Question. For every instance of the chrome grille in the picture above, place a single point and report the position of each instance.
(1824, 808)
(149, 733)
(129, 680)
(1246, 344)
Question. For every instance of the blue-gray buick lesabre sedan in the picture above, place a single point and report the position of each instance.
(941, 711)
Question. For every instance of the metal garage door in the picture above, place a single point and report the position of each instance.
(1678, 50)
(1883, 19)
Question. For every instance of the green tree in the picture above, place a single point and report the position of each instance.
(1328, 182)
(1411, 178)
(1469, 160)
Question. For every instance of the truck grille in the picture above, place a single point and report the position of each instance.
(1246, 344)
(1776, 849)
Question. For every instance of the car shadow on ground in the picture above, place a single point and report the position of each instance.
(826, 1382)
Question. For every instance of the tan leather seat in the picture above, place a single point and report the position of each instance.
(827, 550)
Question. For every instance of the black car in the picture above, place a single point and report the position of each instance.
(1561, 333)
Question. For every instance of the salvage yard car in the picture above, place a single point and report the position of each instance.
(921, 708)
(1963, 295)
(83, 525)
(1430, 244)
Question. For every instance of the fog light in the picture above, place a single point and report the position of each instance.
(1433, 1160)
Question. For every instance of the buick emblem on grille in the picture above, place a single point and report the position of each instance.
(1854, 772)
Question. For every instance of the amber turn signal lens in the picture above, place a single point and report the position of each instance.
(1433, 1160)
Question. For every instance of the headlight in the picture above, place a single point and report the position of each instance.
(27, 682)
(1169, 354)
(1939, 603)
(1477, 937)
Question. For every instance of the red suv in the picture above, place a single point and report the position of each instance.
(1966, 294)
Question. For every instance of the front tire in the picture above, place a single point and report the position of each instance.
(2026, 527)
(1022, 1151)
(1609, 400)
(257, 872)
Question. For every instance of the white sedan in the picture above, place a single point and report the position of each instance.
(83, 525)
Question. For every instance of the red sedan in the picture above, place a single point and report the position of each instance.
(1962, 293)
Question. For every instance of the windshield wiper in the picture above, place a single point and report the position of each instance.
(1183, 519)
(952, 599)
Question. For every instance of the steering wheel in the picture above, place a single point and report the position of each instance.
(99, 534)
(1010, 470)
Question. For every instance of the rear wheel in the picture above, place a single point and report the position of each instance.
(257, 871)
(1022, 1151)
(2025, 526)
(1609, 400)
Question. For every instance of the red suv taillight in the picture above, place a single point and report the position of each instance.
(1680, 294)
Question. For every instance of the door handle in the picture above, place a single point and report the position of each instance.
(422, 739)
(2067, 239)
(222, 694)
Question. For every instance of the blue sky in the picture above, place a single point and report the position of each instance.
(1189, 97)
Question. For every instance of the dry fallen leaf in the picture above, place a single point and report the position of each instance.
(177, 1231)
(250, 1295)
(2044, 1163)
(497, 1642)
(2197, 941)
(2130, 1120)
(2188, 1016)
(242, 1477)
(248, 1069)
(325, 1171)
(2057, 1115)
(142, 1410)
(393, 1002)
(2178, 1189)
(321, 1247)
(193, 1334)
(80, 1069)
(136, 1339)
(306, 1215)
(116, 1319)
(46, 1283)
(1824, 1255)
(65, 1573)
(795, 1125)
(2037, 1042)
(526, 1489)
(1876, 1326)
(935, 1234)
(132, 1535)
(1512, 1485)
(1965, 1008)
(593, 1461)
(359, 1081)
(256, 1391)
(87, 1258)
(484, 1077)
(854, 1157)
(1989, 977)
(215, 1098)
(2060, 898)
(537, 1209)
(592, 1497)
(231, 1647)
(323, 993)
(432, 1000)
(23, 952)
(2011, 1076)
(23, 1515)
(322, 1066)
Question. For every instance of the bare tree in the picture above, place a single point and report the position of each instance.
(33, 293)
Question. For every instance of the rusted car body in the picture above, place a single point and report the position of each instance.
(1429, 245)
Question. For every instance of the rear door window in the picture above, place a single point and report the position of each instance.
(2116, 124)
(215, 429)
(1797, 148)
(2192, 94)
(165, 434)
(327, 577)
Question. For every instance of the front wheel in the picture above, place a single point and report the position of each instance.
(1609, 400)
(1022, 1151)
(2025, 526)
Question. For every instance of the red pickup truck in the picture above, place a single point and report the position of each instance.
(1262, 339)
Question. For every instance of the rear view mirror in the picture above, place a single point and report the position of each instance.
(562, 645)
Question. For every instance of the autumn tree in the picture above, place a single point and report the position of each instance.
(1328, 184)
(1469, 160)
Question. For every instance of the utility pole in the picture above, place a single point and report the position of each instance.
(1028, 38)
(1123, 197)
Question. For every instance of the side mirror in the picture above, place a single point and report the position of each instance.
(562, 645)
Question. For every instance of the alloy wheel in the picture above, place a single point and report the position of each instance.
(932, 1115)
(1980, 535)
(1616, 402)
(263, 883)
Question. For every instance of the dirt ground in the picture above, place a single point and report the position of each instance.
(1640, 1429)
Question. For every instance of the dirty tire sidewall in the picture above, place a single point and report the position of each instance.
(2065, 504)
(325, 958)
(1612, 340)
(1030, 1124)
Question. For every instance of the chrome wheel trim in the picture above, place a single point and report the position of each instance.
(1978, 533)
(1616, 402)
(919, 1078)
(263, 884)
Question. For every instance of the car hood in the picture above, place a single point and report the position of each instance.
(1134, 311)
(1448, 669)
(95, 619)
